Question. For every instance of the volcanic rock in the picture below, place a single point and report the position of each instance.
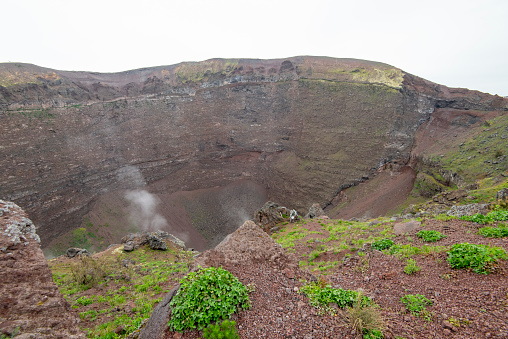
(30, 304)
(502, 194)
(405, 227)
(156, 240)
(72, 252)
(315, 211)
(271, 214)
(470, 209)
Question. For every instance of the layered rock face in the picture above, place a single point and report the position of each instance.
(30, 304)
(229, 134)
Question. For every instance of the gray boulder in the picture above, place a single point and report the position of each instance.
(470, 209)
(74, 251)
(315, 211)
(502, 194)
(156, 243)
(129, 246)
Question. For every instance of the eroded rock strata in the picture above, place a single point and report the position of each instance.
(226, 132)
(30, 304)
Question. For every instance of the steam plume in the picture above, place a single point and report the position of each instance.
(142, 210)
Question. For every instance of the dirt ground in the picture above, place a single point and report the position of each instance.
(465, 304)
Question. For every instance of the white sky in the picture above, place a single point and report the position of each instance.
(455, 43)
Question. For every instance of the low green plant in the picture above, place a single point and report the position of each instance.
(430, 236)
(83, 301)
(444, 217)
(205, 296)
(415, 303)
(224, 330)
(498, 214)
(494, 232)
(411, 267)
(481, 258)
(322, 296)
(382, 244)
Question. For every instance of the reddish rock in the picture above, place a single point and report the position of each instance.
(406, 227)
(29, 299)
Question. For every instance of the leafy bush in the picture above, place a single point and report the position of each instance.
(415, 303)
(430, 236)
(84, 301)
(481, 258)
(496, 215)
(411, 267)
(322, 296)
(206, 296)
(494, 232)
(225, 330)
(382, 244)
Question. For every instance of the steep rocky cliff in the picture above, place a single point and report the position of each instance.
(30, 304)
(211, 140)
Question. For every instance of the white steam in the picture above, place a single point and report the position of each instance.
(143, 210)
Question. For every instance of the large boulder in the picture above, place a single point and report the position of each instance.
(156, 240)
(271, 214)
(406, 227)
(30, 304)
(74, 251)
(470, 209)
(502, 194)
(315, 211)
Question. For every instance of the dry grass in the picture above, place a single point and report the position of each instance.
(362, 318)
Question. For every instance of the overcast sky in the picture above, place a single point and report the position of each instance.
(454, 43)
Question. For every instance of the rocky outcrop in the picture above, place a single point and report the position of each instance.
(469, 209)
(315, 211)
(502, 194)
(155, 240)
(30, 304)
(73, 251)
(296, 130)
(271, 214)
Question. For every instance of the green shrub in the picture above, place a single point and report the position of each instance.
(411, 267)
(373, 334)
(497, 215)
(430, 236)
(225, 330)
(205, 296)
(84, 301)
(415, 303)
(481, 258)
(382, 244)
(322, 296)
(494, 232)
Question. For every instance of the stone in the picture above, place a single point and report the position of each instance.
(128, 246)
(156, 243)
(405, 227)
(30, 303)
(76, 252)
(315, 211)
(271, 214)
(502, 194)
(470, 209)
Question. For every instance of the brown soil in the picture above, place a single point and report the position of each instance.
(375, 197)
(476, 305)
